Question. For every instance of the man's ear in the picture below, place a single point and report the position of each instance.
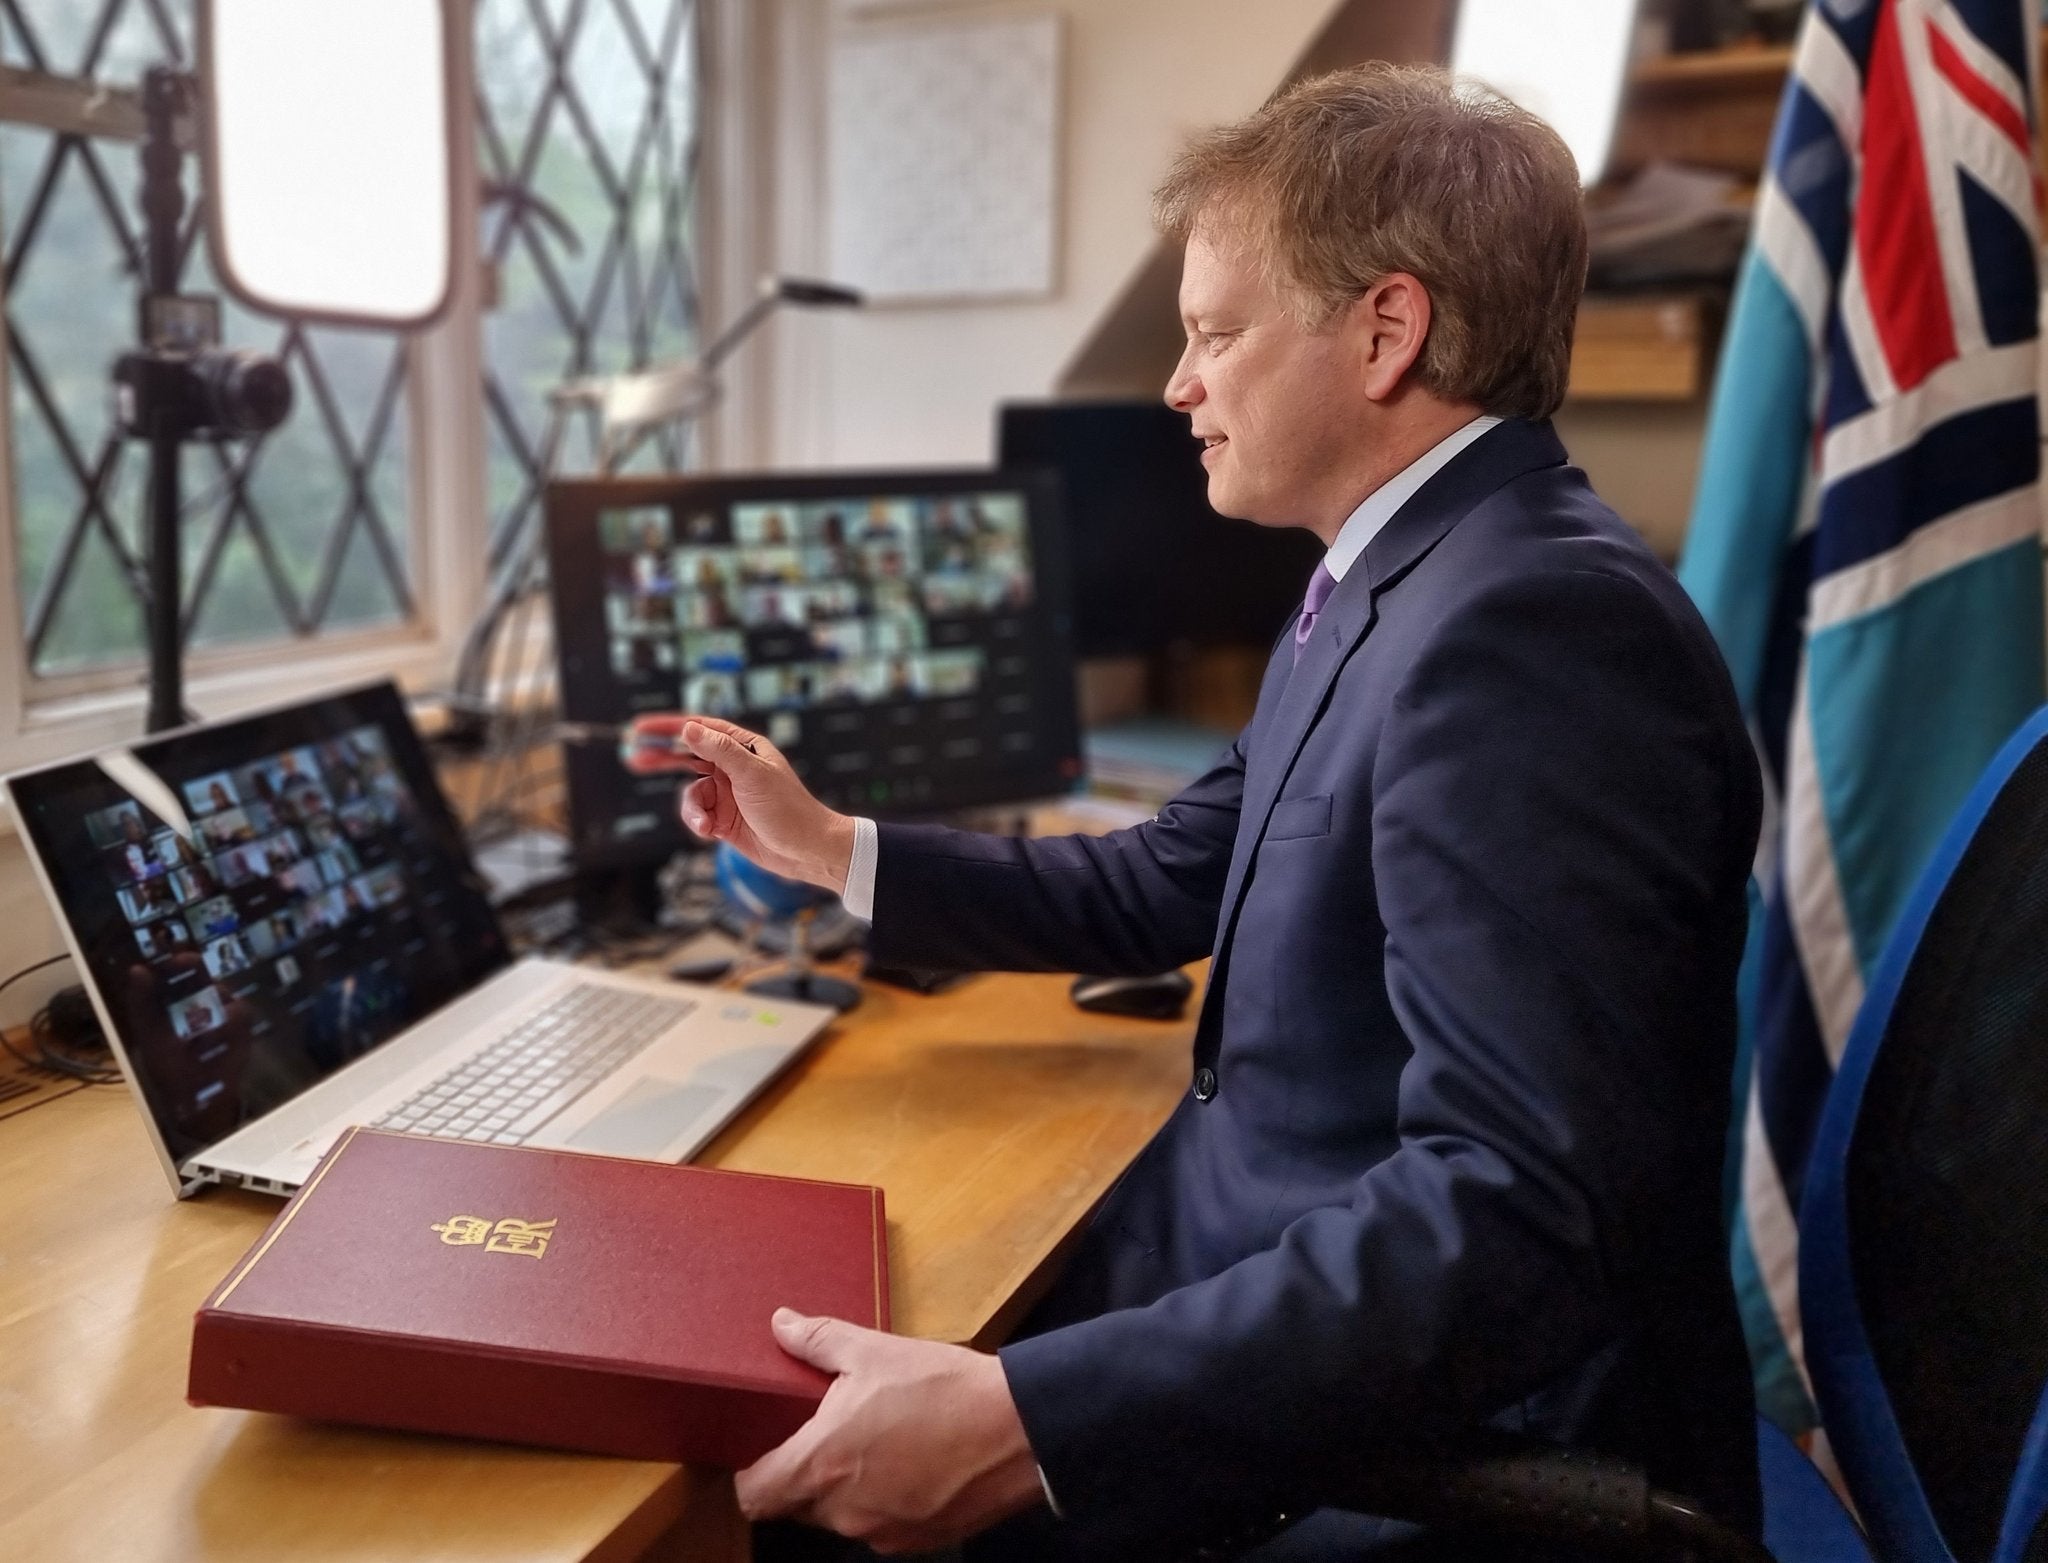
(1391, 319)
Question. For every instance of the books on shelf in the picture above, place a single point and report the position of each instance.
(1146, 760)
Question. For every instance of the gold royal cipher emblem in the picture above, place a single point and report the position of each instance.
(502, 1237)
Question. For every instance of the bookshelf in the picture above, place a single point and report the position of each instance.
(1715, 109)
(1711, 110)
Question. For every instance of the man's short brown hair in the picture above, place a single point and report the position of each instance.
(1344, 179)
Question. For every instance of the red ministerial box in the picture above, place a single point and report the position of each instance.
(541, 1297)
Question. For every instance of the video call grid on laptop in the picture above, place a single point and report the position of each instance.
(257, 904)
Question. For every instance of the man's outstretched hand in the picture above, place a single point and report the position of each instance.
(916, 1445)
(746, 793)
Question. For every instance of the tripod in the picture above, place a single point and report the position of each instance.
(179, 385)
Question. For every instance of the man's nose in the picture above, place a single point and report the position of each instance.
(1183, 387)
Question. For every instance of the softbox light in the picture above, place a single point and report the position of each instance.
(328, 145)
(1562, 60)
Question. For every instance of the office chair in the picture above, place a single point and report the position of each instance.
(1504, 1487)
(1507, 1487)
(1923, 1269)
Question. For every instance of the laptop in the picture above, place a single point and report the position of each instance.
(279, 924)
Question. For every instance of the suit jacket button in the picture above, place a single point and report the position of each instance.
(1205, 1084)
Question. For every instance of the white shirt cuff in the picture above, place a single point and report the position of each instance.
(859, 895)
(1051, 1502)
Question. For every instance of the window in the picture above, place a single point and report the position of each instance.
(299, 535)
(308, 544)
(591, 108)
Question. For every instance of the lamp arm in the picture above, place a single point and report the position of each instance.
(778, 290)
(737, 332)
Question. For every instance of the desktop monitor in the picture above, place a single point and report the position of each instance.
(903, 637)
(1153, 565)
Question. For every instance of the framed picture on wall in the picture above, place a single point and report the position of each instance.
(944, 161)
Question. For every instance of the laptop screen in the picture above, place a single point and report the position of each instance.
(260, 901)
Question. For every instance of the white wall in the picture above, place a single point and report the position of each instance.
(919, 384)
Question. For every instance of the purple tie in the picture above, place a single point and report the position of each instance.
(1320, 585)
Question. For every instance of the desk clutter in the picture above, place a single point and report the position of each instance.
(542, 1297)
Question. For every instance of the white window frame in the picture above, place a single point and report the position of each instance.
(45, 718)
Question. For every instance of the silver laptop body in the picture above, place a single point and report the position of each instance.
(282, 934)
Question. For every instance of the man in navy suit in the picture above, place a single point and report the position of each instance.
(1473, 884)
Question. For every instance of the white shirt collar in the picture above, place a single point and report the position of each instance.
(1381, 504)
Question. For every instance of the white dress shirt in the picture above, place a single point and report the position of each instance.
(1359, 528)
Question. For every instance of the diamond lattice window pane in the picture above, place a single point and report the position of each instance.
(591, 107)
(306, 498)
(362, 584)
(304, 531)
(144, 33)
(98, 610)
(590, 104)
(110, 39)
(239, 603)
(63, 335)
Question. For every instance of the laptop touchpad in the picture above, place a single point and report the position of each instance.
(651, 1114)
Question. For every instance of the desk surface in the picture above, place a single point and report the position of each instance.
(994, 1117)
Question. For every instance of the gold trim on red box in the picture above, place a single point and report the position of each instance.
(284, 1220)
(877, 1247)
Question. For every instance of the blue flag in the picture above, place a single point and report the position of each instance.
(1865, 540)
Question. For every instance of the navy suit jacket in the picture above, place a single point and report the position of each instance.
(1473, 881)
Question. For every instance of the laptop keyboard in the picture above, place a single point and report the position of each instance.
(507, 1090)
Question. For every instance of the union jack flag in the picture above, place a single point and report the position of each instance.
(1865, 539)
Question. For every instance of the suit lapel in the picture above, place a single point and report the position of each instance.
(1498, 457)
(1339, 628)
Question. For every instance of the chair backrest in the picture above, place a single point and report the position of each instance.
(1924, 1224)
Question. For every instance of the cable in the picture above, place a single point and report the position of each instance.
(19, 1056)
(52, 1038)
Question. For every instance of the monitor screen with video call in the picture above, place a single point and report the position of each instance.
(904, 638)
(262, 900)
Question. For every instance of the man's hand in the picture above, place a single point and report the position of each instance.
(746, 793)
(916, 1445)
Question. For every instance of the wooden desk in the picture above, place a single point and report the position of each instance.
(994, 1117)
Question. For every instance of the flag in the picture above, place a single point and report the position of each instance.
(1865, 539)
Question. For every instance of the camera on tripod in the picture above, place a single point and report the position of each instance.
(184, 385)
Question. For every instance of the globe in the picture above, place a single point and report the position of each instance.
(760, 894)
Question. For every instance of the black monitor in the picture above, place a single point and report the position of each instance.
(903, 636)
(1153, 565)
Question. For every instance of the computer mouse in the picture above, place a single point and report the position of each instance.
(1160, 997)
(704, 968)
